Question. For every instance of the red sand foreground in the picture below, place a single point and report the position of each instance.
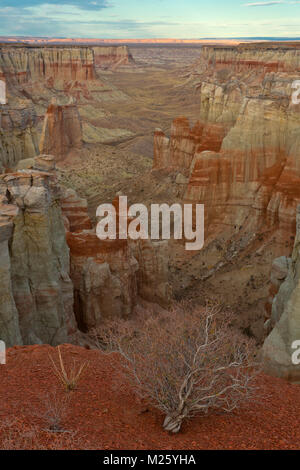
(104, 413)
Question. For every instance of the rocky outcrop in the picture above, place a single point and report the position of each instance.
(244, 163)
(152, 272)
(75, 211)
(38, 285)
(9, 317)
(23, 64)
(285, 320)
(36, 76)
(104, 277)
(262, 57)
(57, 277)
(279, 271)
(109, 275)
(37, 290)
(177, 152)
(111, 57)
(18, 135)
(62, 131)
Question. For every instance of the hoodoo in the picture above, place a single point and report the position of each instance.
(62, 131)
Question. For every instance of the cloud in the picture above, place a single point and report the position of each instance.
(271, 3)
(109, 19)
(84, 5)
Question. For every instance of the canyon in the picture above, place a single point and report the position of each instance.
(57, 278)
(233, 146)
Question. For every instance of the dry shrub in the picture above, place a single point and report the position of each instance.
(53, 410)
(69, 379)
(15, 434)
(186, 361)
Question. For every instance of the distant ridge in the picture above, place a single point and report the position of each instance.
(169, 41)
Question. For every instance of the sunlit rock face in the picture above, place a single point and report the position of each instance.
(62, 131)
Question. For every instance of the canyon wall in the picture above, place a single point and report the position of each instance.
(244, 161)
(21, 64)
(243, 164)
(57, 278)
(62, 131)
(18, 135)
(37, 76)
(112, 56)
(285, 318)
(37, 295)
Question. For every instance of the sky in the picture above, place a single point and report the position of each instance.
(184, 19)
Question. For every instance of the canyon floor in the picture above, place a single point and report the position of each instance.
(157, 91)
(103, 413)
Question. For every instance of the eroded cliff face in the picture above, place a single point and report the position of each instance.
(244, 164)
(285, 317)
(62, 131)
(261, 57)
(112, 56)
(18, 135)
(34, 76)
(21, 65)
(57, 277)
(110, 275)
(37, 76)
(38, 291)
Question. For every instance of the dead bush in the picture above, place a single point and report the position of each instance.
(53, 410)
(15, 434)
(69, 379)
(186, 361)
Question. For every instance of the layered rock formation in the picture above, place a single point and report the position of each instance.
(48, 292)
(109, 275)
(36, 76)
(112, 56)
(244, 162)
(177, 152)
(285, 319)
(265, 57)
(18, 135)
(62, 131)
(37, 292)
(23, 64)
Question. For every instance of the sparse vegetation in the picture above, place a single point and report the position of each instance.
(69, 379)
(185, 362)
(15, 434)
(53, 410)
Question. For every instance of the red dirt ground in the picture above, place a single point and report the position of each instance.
(105, 414)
